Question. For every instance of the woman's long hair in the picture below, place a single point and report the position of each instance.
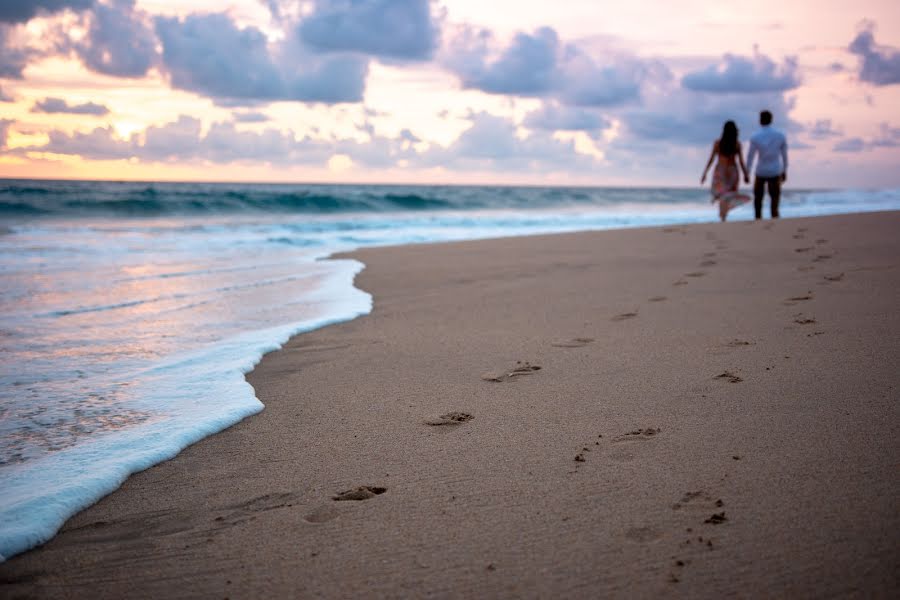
(728, 143)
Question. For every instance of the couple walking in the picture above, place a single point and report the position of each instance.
(771, 146)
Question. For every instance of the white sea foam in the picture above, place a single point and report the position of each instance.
(191, 395)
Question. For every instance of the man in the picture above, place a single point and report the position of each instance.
(771, 171)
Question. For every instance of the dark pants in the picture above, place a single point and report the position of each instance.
(774, 185)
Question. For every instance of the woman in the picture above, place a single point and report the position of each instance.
(725, 176)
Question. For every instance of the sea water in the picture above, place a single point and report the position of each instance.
(129, 312)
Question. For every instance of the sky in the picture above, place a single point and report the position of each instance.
(528, 92)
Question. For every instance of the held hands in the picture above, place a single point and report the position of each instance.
(746, 178)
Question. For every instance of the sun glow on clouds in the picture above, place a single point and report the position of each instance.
(458, 90)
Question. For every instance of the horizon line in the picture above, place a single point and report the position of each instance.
(407, 184)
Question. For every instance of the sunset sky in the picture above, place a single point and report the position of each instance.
(580, 92)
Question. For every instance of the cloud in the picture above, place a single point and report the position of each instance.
(58, 105)
(490, 141)
(528, 67)
(22, 11)
(4, 131)
(178, 140)
(888, 137)
(250, 117)
(119, 41)
(687, 118)
(823, 129)
(98, 144)
(184, 140)
(879, 65)
(554, 117)
(853, 144)
(13, 58)
(539, 64)
(396, 29)
(493, 141)
(379, 151)
(589, 83)
(210, 55)
(740, 74)
(223, 143)
(4, 97)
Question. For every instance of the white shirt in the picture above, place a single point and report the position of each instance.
(771, 146)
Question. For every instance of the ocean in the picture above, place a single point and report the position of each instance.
(129, 312)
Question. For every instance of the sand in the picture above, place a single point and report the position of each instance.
(695, 411)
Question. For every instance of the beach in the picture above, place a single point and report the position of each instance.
(697, 410)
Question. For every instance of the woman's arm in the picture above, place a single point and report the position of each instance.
(743, 166)
(712, 157)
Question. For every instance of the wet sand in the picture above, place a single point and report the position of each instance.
(695, 411)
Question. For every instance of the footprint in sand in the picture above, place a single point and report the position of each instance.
(521, 368)
(729, 377)
(804, 321)
(798, 236)
(697, 501)
(802, 229)
(363, 492)
(579, 458)
(804, 249)
(838, 277)
(248, 510)
(642, 434)
(643, 534)
(681, 282)
(738, 343)
(805, 268)
(796, 299)
(624, 316)
(821, 241)
(822, 257)
(323, 514)
(709, 255)
(696, 274)
(708, 263)
(451, 419)
(695, 509)
(618, 454)
(657, 299)
(579, 342)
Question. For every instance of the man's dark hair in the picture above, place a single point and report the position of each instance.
(765, 118)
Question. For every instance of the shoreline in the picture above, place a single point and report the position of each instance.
(634, 330)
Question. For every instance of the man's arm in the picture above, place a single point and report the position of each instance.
(784, 159)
